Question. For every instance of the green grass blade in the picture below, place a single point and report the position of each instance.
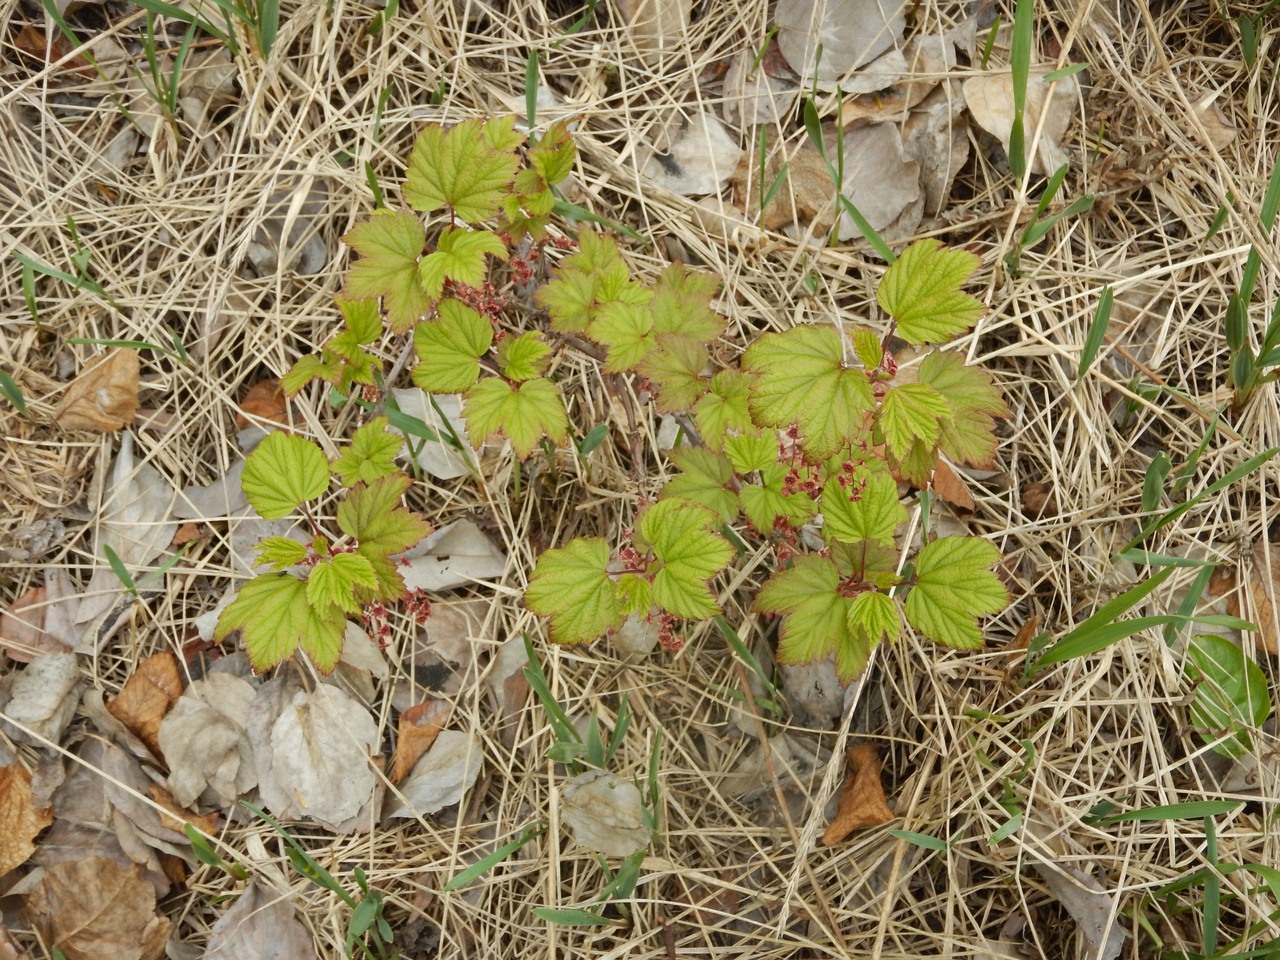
(1070, 70)
(531, 91)
(572, 918)
(1038, 228)
(485, 864)
(920, 839)
(1224, 481)
(1020, 64)
(1097, 331)
(1267, 218)
(13, 393)
(571, 211)
(1194, 809)
(121, 571)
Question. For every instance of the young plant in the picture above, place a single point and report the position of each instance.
(1040, 224)
(316, 587)
(794, 432)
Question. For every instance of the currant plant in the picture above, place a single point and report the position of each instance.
(813, 426)
(315, 588)
(794, 434)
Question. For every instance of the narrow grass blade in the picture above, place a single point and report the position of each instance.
(1070, 70)
(571, 211)
(593, 438)
(1020, 64)
(572, 918)
(531, 90)
(13, 393)
(1224, 481)
(920, 839)
(990, 43)
(174, 12)
(1267, 218)
(77, 282)
(1097, 331)
(120, 570)
(1038, 228)
(1193, 809)
(485, 864)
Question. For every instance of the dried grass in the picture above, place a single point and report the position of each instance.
(170, 232)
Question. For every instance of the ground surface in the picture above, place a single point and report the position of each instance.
(182, 220)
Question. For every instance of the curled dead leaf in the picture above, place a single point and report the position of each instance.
(104, 398)
(147, 696)
(950, 487)
(22, 820)
(862, 800)
(416, 732)
(264, 401)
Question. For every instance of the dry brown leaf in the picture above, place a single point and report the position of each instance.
(104, 398)
(261, 925)
(1260, 590)
(22, 632)
(950, 487)
(1221, 131)
(862, 801)
(92, 909)
(416, 732)
(264, 401)
(186, 533)
(990, 100)
(147, 696)
(22, 820)
(39, 46)
(1038, 500)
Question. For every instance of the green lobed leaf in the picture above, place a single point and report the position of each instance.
(459, 256)
(626, 329)
(749, 452)
(524, 357)
(468, 168)
(571, 585)
(524, 415)
(372, 516)
(372, 454)
(725, 408)
(304, 370)
(279, 553)
(704, 478)
(868, 510)
(969, 436)
(682, 304)
(801, 381)
(876, 616)
(955, 586)
(449, 348)
(689, 554)
(282, 472)
(553, 155)
(909, 412)
(867, 348)
(273, 615)
(921, 291)
(815, 617)
(334, 582)
(585, 281)
(389, 243)
(362, 318)
(674, 369)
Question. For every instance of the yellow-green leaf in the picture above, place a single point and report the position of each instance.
(449, 348)
(283, 472)
(389, 243)
(955, 586)
(468, 168)
(921, 291)
(571, 585)
(525, 414)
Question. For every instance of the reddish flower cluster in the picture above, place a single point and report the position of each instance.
(486, 300)
(417, 606)
(521, 265)
(377, 621)
(668, 639)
